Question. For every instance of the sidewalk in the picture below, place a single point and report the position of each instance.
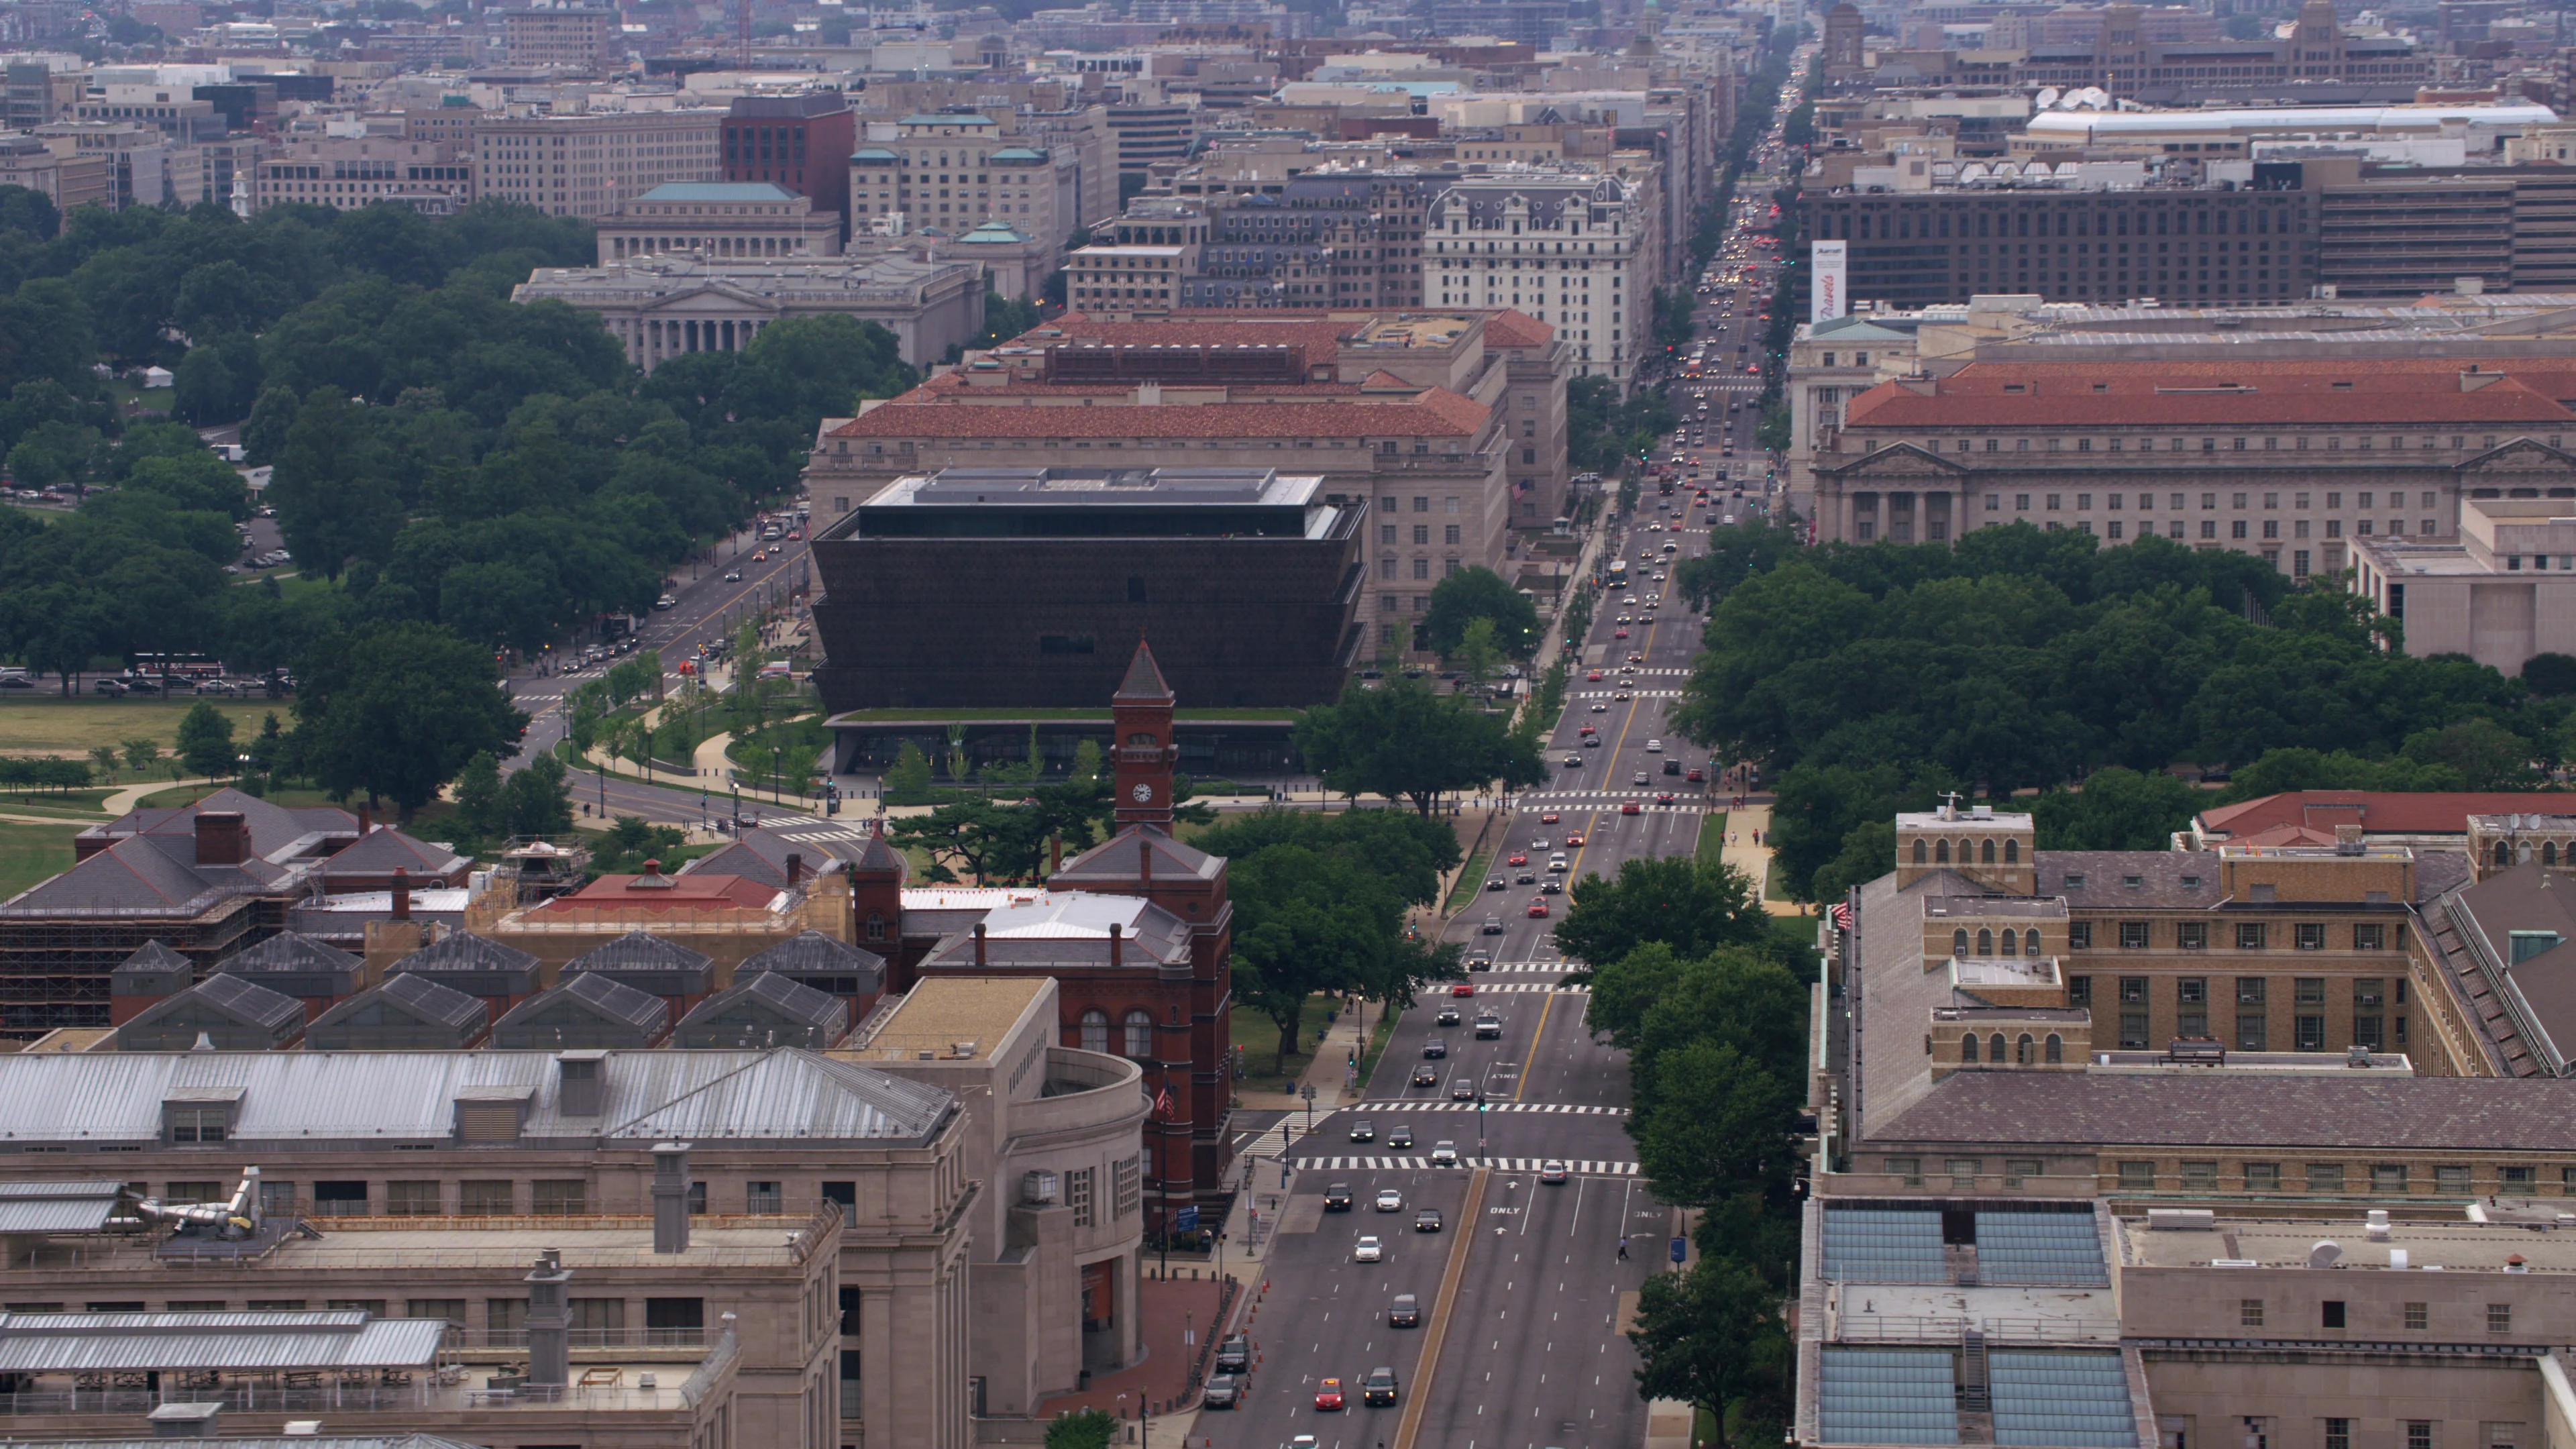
(1754, 860)
(1161, 1379)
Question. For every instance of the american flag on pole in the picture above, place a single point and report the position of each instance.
(1163, 1103)
(1842, 915)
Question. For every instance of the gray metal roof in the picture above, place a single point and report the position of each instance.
(101, 1342)
(639, 951)
(288, 951)
(381, 852)
(419, 998)
(322, 1099)
(591, 996)
(56, 1207)
(765, 1009)
(812, 953)
(464, 951)
(235, 998)
(153, 956)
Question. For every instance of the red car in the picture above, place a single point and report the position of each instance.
(1594, 676)
(1619, 634)
(1516, 860)
(1550, 818)
(1463, 988)
(1587, 730)
(1627, 807)
(1328, 1394)
(1538, 909)
(1575, 839)
(1695, 777)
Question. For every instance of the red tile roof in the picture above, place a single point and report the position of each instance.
(1517, 329)
(693, 891)
(930, 412)
(2376, 812)
(2382, 393)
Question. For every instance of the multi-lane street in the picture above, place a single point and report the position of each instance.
(1524, 1288)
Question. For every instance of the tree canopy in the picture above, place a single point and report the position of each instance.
(1405, 742)
(1480, 593)
(396, 710)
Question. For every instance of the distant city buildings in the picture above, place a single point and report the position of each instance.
(661, 305)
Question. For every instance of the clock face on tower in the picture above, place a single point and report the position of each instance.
(1143, 792)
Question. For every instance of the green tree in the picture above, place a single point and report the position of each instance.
(1688, 904)
(1715, 1125)
(478, 797)
(2117, 809)
(334, 502)
(907, 780)
(141, 755)
(1480, 593)
(537, 799)
(206, 740)
(2550, 675)
(105, 758)
(397, 709)
(1082, 1429)
(1404, 742)
(2486, 754)
(1709, 1337)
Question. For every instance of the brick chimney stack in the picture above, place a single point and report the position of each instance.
(223, 837)
(402, 894)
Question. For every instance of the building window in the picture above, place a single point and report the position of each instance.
(2516, 1181)
(2499, 1318)
(568, 1197)
(2311, 935)
(197, 1124)
(2388, 1179)
(2451, 1179)
(1095, 1031)
(2133, 935)
(2133, 989)
(2079, 934)
(2137, 1177)
(2251, 1032)
(1963, 1172)
(1140, 1034)
(2249, 990)
(2419, 1316)
(1908, 1170)
(2370, 937)
(2249, 1313)
(1127, 1184)
(411, 1199)
(486, 1199)
(1077, 1195)
(2133, 1031)
(2311, 1033)
(2079, 989)
(2325, 1179)
(2262, 1177)
(2338, 1431)
(763, 1199)
(2249, 937)
(2200, 1176)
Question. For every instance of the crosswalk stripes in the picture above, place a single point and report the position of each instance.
(1633, 694)
(1569, 1109)
(1506, 987)
(1579, 1167)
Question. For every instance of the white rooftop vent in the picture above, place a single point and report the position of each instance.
(2182, 1220)
(2377, 1227)
(2325, 1255)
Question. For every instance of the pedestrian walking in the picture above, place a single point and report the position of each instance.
(1623, 1250)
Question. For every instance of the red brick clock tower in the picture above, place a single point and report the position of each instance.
(1140, 716)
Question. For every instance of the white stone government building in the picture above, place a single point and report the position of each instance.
(661, 307)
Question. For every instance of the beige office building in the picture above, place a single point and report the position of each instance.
(719, 220)
(571, 38)
(590, 163)
(659, 307)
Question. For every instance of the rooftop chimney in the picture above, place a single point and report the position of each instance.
(652, 867)
(402, 894)
(578, 1079)
(364, 823)
(670, 1197)
(1116, 954)
(1055, 854)
(795, 868)
(979, 943)
(2348, 840)
(223, 837)
(549, 1322)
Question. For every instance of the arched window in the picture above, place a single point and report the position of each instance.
(1941, 853)
(2056, 1049)
(1986, 853)
(2522, 852)
(1959, 942)
(1985, 942)
(1141, 741)
(1968, 1048)
(1140, 1033)
(2012, 851)
(2504, 853)
(1921, 855)
(1995, 1052)
(2030, 942)
(876, 926)
(2549, 852)
(1095, 1030)
(2010, 943)
(2021, 1050)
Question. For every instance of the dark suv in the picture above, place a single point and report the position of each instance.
(1234, 1355)
(1224, 1391)
(1379, 1387)
(1337, 1198)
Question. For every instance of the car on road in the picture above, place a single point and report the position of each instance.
(1537, 908)
(1234, 1353)
(1627, 807)
(107, 686)
(1405, 1311)
(1447, 1016)
(1551, 1171)
(1400, 1136)
(1599, 708)
(1328, 1394)
(1574, 838)
(1695, 777)
(1493, 882)
(1462, 988)
(1337, 1198)
(1224, 1391)
(1488, 1026)
(1592, 742)
(1444, 1153)
(1369, 1250)
(1523, 877)
(1550, 818)
(1426, 1220)
(1480, 959)
(665, 602)
(1389, 1200)
(1462, 1089)
(1573, 762)
(1551, 887)
(1434, 1048)
(1654, 747)
(1516, 859)
(1379, 1387)
(1493, 924)
(733, 576)
(1426, 1075)
(1618, 633)
(1363, 1130)
(1638, 780)
(1664, 798)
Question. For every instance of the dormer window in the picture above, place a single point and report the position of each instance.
(198, 1124)
(2191, 882)
(2133, 882)
(2074, 882)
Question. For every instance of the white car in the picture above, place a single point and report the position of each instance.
(1369, 1251)
(1443, 1154)
(1389, 1200)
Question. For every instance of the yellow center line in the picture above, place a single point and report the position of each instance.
(1451, 1276)
(1531, 1051)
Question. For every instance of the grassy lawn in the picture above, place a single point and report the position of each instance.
(1712, 837)
(1471, 879)
(31, 853)
(46, 723)
(1260, 1041)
